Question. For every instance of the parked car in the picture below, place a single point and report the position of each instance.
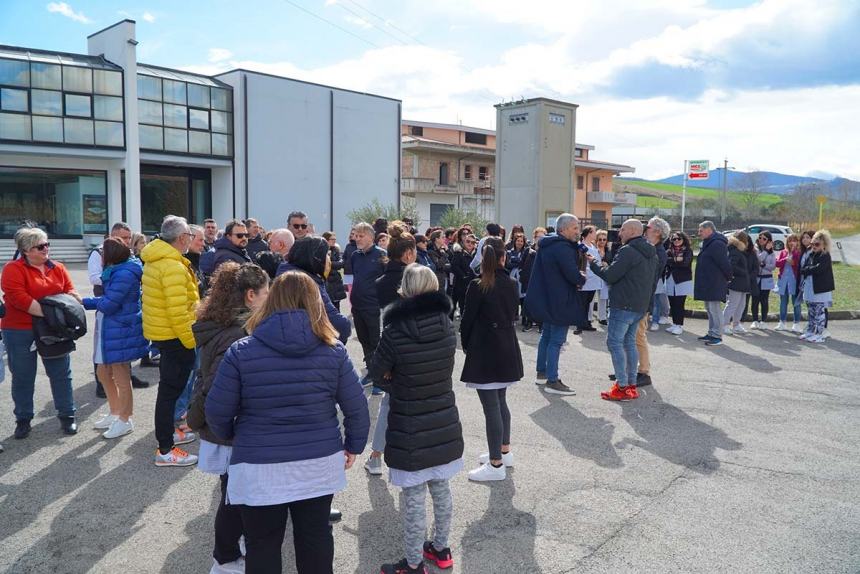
(778, 232)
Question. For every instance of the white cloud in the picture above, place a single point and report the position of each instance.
(68, 12)
(149, 17)
(219, 55)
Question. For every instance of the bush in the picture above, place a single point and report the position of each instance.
(373, 210)
(456, 217)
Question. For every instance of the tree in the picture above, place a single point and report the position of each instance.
(370, 212)
(752, 186)
(801, 207)
(456, 217)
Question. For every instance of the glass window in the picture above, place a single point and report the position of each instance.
(14, 127)
(47, 102)
(175, 116)
(47, 129)
(78, 106)
(198, 119)
(222, 99)
(149, 112)
(109, 133)
(222, 122)
(77, 79)
(12, 100)
(15, 73)
(198, 142)
(64, 203)
(198, 96)
(148, 87)
(78, 131)
(151, 137)
(222, 144)
(174, 92)
(175, 140)
(107, 82)
(48, 76)
(107, 108)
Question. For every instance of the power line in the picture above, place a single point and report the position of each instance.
(330, 23)
(363, 19)
(386, 21)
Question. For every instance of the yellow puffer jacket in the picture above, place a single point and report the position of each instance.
(170, 294)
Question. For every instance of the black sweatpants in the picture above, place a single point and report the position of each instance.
(498, 419)
(676, 308)
(265, 527)
(367, 329)
(228, 528)
(586, 299)
(174, 368)
(761, 300)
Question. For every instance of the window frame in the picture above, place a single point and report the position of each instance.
(67, 115)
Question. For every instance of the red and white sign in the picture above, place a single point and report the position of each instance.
(697, 169)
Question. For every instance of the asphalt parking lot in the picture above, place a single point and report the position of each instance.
(742, 458)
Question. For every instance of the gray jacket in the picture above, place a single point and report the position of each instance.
(631, 276)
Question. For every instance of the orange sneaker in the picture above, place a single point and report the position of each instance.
(183, 437)
(632, 392)
(616, 393)
(176, 457)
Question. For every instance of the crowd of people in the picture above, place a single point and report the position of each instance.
(246, 329)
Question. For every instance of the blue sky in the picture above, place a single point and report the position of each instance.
(771, 84)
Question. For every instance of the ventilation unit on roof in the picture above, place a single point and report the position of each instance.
(515, 119)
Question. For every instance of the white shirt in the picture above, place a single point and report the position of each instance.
(94, 266)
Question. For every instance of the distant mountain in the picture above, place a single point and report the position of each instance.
(772, 181)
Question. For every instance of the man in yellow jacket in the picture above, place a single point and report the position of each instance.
(170, 297)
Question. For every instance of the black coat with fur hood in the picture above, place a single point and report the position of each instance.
(413, 364)
(740, 265)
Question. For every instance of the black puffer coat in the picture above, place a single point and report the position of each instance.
(334, 281)
(416, 351)
(740, 266)
(441, 264)
(489, 334)
(461, 261)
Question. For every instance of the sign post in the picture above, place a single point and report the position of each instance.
(822, 199)
(693, 169)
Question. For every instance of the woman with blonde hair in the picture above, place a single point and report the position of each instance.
(276, 396)
(817, 286)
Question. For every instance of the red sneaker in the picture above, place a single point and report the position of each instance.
(632, 392)
(616, 393)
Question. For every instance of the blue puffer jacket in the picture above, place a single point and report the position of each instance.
(338, 320)
(553, 294)
(122, 327)
(276, 395)
(713, 269)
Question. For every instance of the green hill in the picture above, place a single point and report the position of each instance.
(667, 195)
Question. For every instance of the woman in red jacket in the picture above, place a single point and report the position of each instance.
(26, 280)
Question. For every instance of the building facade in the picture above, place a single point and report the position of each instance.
(87, 140)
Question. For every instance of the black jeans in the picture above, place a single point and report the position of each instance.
(264, 535)
(173, 372)
(676, 308)
(498, 418)
(367, 329)
(763, 300)
(586, 298)
(228, 529)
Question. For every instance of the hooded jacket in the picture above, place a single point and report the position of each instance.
(226, 251)
(631, 276)
(740, 280)
(553, 291)
(337, 319)
(170, 294)
(256, 245)
(62, 323)
(713, 269)
(122, 326)
(417, 349)
(276, 395)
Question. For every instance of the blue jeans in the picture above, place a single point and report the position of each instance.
(660, 307)
(22, 364)
(783, 307)
(621, 342)
(549, 348)
(185, 398)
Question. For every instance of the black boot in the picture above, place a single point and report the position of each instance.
(149, 362)
(22, 428)
(139, 383)
(69, 425)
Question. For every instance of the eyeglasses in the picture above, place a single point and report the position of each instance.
(300, 225)
(677, 239)
(42, 246)
(241, 235)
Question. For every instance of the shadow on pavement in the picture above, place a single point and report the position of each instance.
(379, 533)
(503, 531)
(671, 434)
(197, 550)
(582, 436)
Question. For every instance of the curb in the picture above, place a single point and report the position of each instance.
(833, 315)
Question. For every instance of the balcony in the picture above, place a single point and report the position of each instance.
(611, 197)
(428, 185)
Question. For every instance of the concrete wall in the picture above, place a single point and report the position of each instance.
(517, 171)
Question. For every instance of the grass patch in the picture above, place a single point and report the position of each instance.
(651, 202)
(765, 199)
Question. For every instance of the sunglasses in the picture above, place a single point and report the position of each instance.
(42, 246)
(677, 239)
(241, 235)
(300, 225)
(602, 239)
(816, 244)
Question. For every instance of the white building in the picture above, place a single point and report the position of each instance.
(88, 140)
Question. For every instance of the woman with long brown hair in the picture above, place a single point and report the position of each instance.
(493, 359)
(276, 396)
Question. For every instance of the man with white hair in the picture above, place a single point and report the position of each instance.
(631, 281)
(170, 298)
(280, 243)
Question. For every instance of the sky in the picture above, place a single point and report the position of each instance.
(771, 85)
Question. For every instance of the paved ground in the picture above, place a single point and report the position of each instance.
(850, 252)
(739, 459)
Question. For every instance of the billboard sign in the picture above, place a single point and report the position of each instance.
(697, 169)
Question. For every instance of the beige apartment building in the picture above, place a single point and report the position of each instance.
(449, 165)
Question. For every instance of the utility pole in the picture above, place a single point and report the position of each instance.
(725, 191)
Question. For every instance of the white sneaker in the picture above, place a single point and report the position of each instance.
(655, 327)
(104, 422)
(825, 334)
(675, 329)
(119, 428)
(815, 339)
(795, 328)
(762, 325)
(487, 473)
(507, 458)
(665, 321)
(740, 329)
(781, 326)
(728, 330)
(805, 336)
(183, 437)
(236, 567)
(373, 465)
(176, 457)
(754, 325)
